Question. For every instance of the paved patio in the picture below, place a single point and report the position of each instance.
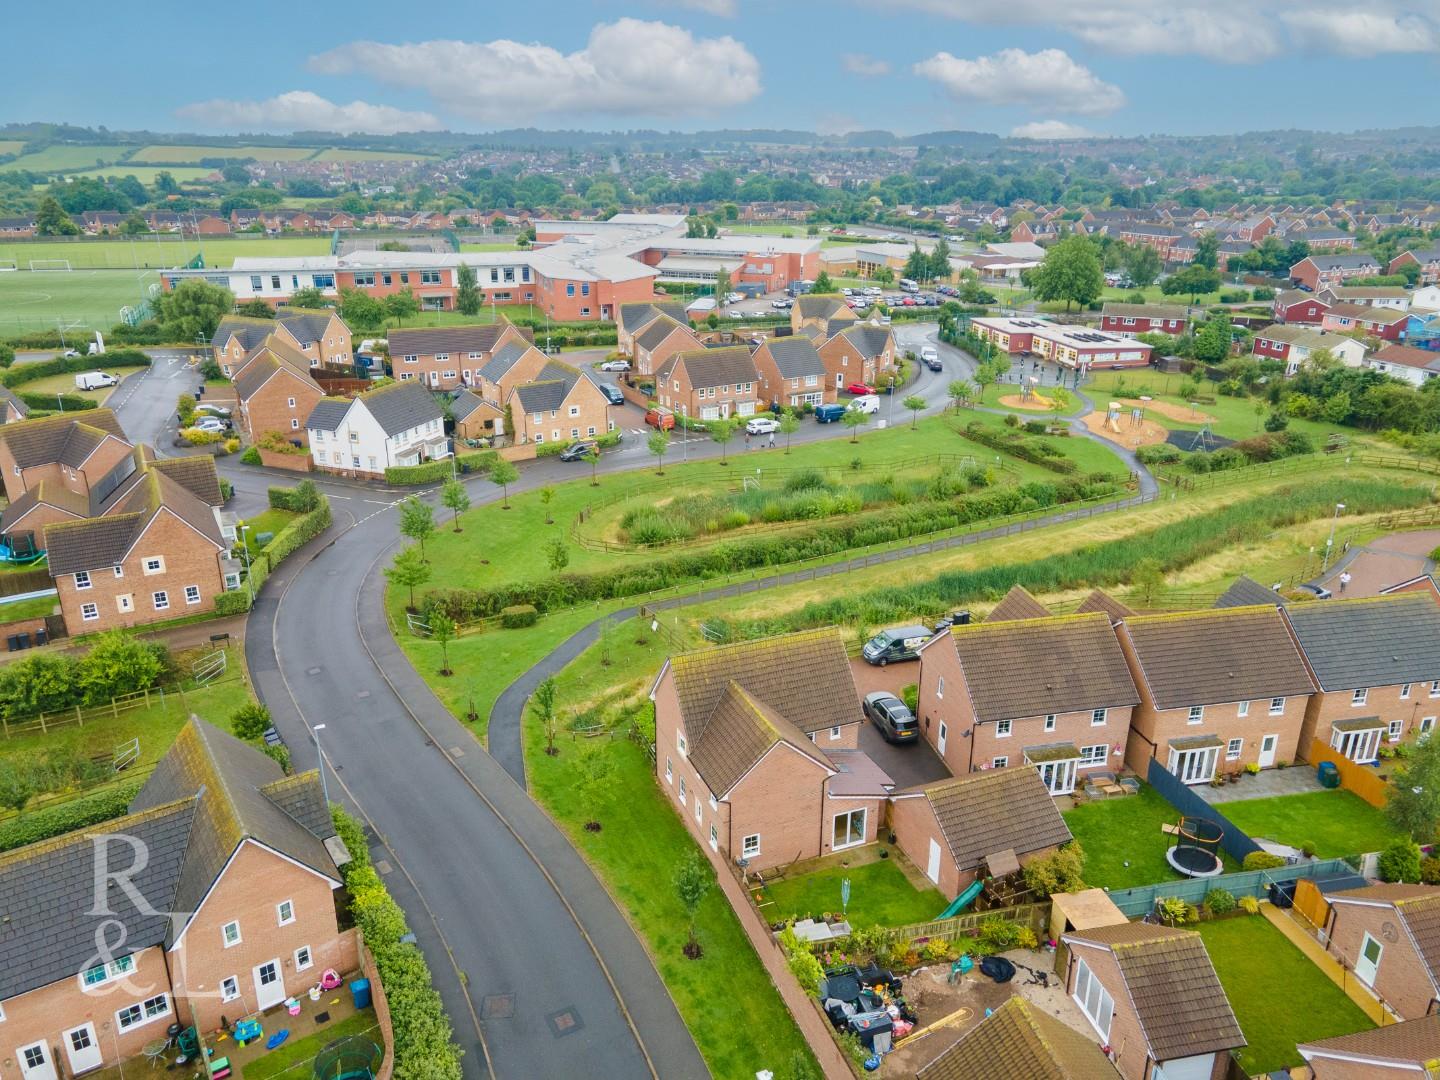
(1295, 780)
(1385, 561)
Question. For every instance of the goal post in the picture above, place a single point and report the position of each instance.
(7, 265)
(50, 265)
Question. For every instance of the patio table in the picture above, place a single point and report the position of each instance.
(155, 1051)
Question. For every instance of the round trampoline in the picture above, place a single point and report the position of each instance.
(1196, 852)
(352, 1058)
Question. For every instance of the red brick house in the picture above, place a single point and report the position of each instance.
(1320, 270)
(1428, 259)
(792, 373)
(559, 405)
(827, 313)
(1383, 322)
(320, 336)
(633, 317)
(859, 353)
(707, 384)
(71, 449)
(1296, 307)
(449, 357)
(1401, 1051)
(661, 339)
(1132, 319)
(1296, 344)
(222, 898)
(1388, 936)
(275, 391)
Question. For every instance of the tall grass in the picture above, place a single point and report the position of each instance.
(1112, 562)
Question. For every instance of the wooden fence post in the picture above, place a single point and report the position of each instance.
(79, 717)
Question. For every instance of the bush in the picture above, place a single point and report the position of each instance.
(234, 602)
(197, 437)
(1262, 860)
(800, 960)
(1220, 901)
(75, 814)
(18, 376)
(250, 722)
(910, 694)
(1249, 905)
(518, 616)
(427, 472)
(251, 456)
(1430, 870)
(1159, 454)
(57, 402)
(301, 499)
(1060, 872)
(1400, 862)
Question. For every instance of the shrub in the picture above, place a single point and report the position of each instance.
(997, 935)
(1059, 872)
(1220, 901)
(1249, 905)
(75, 814)
(1400, 862)
(234, 602)
(24, 373)
(1159, 454)
(1430, 870)
(800, 960)
(301, 499)
(519, 615)
(197, 437)
(937, 950)
(1173, 910)
(250, 721)
(910, 694)
(1262, 860)
(251, 456)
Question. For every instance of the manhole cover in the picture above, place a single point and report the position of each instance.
(312, 671)
(565, 1022)
(455, 751)
(363, 694)
(497, 1007)
(383, 867)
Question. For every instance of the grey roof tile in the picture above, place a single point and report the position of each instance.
(1380, 641)
(795, 357)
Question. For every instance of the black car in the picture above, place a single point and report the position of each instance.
(578, 451)
(892, 716)
(612, 393)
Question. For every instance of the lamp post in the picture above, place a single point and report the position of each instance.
(1330, 540)
(324, 787)
(245, 549)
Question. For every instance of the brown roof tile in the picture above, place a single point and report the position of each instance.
(426, 341)
(741, 731)
(713, 367)
(1414, 1042)
(995, 810)
(1017, 604)
(1211, 657)
(98, 542)
(67, 437)
(195, 473)
(1019, 1041)
(1100, 601)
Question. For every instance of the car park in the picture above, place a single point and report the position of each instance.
(892, 716)
(615, 365)
(859, 388)
(897, 643)
(761, 425)
(579, 451)
(781, 304)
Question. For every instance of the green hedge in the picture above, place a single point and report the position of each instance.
(300, 499)
(234, 602)
(78, 813)
(430, 472)
(1016, 445)
(43, 369)
(57, 402)
(424, 1041)
(289, 540)
(519, 616)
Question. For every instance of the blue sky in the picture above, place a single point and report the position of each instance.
(1024, 66)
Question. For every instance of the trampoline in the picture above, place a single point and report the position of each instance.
(1196, 852)
(352, 1058)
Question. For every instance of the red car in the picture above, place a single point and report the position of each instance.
(859, 388)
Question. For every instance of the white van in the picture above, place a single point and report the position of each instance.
(866, 403)
(95, 380)
(908, 285)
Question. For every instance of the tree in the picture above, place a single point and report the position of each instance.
(467, 291)
(1194, 281)
(916, 404)
(691, 882)
(250, 722)
(917, 266)
(455, 498)
(17, 784)
(1207, 252)
(504, 473)
(134, 225)
(594, 772)
(1147, 577)
(255, 309)
(51, 219)
(547, 496)
(1059, 402)
(657, 444)
(442, 630)
(823, 284)
(1142, 264)
(592, 458)
(309, 298)
(789, 424)
(722, 430)
(407, 571)
(361, 311)
(1414, 800)
(960, 391)
(884, 275)
(193, 309)
(402, 305)
(543, 703)
(722, 285)
(1071, 272)
(118, 664)
(854, 419)
(557, 554)
(940, 268)
(1212, 341)
(417, 521)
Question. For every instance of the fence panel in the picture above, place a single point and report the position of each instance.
(1141, 899)
(1179, 795)
(1361, 779)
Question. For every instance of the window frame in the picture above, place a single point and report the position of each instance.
(309, 958)
(746, 850)
(1233, 749)
(1277, 706)
(1004, 729)
(281, 919)
(225, 934)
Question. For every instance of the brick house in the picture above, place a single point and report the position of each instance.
(560, 404)
(635, 317)
(156, 552)
(17, 228)
(1427, 259)
(71, 449)
(320, 336)
(1319, 270)
(1219, 690)
(511, 364)
(862, 352)
(1382, 296)
(1294, 344)
(449, 357)
(1401, 1051)
(1327, 239)
(792, 373)
(275, 391)
(1376, 665)
(988, 823)
(1132, 319)
(1382, 322)
(659, 341)
(1415, 366)
(1388, 935)
(1020, 1041)
(828, 313)
(226, 904)
(1296, 307)
(12, 409)
(709, 383)
(1054, 693)
(750, 739)
(1152, 997)
(398, 424)
(475, 418)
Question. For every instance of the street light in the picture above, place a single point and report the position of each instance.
(324, 787)
(1330, 540)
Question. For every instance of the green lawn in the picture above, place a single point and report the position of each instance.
(65, 384)
(67, 157)
(160, 154)
(33, 608)
(157, 250)
(1333, 823)
(1279, 996)
(146, 174)
(30, 302)
(1089, 455)
(880, 894)
(1123, 844)
(286, 1060)
(270, 521)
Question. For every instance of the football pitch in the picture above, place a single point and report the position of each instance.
(30, 302)
(157, 251)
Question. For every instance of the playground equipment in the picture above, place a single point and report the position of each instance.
(1197, 848)
(352, 1058)
(964, 900)
(1204, 439)
(1112, 416)
(19, 548)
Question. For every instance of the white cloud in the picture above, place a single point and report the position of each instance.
(726, 9)
(1226, 31)
(301, 110)
(629, 66)
(1047, 79)
(860, 64)
(1050, 129)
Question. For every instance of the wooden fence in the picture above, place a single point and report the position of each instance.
(1361, 779)
(17, 582)
(1035, 916)
(45, 722)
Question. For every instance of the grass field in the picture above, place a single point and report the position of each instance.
(146, 173)
(159, 154)
(11, 146)
(160, 251)
(343, 153)
(31, 302)
(295, 1057)
(62, 158)
(1333, 823)
(65, 384)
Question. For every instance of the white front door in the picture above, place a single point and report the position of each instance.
(1368, 962)
(269, 986)
(82, 1049)
(932, 864)
(1267, 750)
(940, 738)
(35, 1063)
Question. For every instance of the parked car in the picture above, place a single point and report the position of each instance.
(859, 388)
(1318, 591)
(615, 365)
(897, 643)
(213, 410)
(892, 716)
(612, 393)
(866, 403)
(578, 451)
(211, 424)
(930, 356)
(781, 304)
(761, 425)
(663, 419)
(736, 314)
(828, 414)
(68, 353)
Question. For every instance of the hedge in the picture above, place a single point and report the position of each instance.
(43, 369)
(424, 1041)
(1019, 447)
(300, 499)
(58, 402)
(234, 602)
(428, 472)
(519, 616)
(290, 539)
(78, 813)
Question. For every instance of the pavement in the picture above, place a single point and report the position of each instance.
(1383, 562)
(1267, 782)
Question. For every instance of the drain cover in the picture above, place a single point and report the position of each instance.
(383, 867)
(565, 1022)
(312, 671)
(497, 1007)
(455, 751)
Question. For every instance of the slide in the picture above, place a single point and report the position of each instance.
(964, 900)
(1112, 418)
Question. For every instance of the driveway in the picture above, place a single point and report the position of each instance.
(1385, 561)
(908, 765)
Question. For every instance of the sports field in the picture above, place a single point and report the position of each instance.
(93, 298)
(160, 251)
(160, 154)
(60, 158)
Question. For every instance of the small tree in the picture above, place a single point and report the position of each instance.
(442, 630)
(960, 391)
(417, 521)
(789, 424)
(722, 431)
(592, 458)
(594, 771)
(547, 496)
(309, 297)
(455, 499)
(1059, 402)
(407, 571)
(1147, 577)
(854, 419)
(916, 404)
(557, 554)
(823, 284)
(17, 784)
(502, 474)
(255, 309)
(402, 305)
(467, 293)
(1414, 801)
(543, 702)
(250, 722)
(658, 443)
(692, 882)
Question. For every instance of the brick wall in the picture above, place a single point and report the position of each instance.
(382, 1009)
(293, 462)
(1402, 979)
(1382, 701)
(283, 404)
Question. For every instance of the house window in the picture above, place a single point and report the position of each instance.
(682, 791)
(1242, 709)
(1002, 728)
(105, 972)
(1394, 730)
(294, 424)
(192, 594)
(89, 612)
(1360, 696)
(303, 958)
(1197, 714)
(714, 805)
(285, 912)
(1277, 706)
(1094, 1001)
(714, 839)
(229, 988)
(680, 742)
(1233, 748)
(119, 571)
(999, 762)
(940, 687)
(155, 565)
(230, 934)
(1094, 755)
(149, 1009)
(82, 579)
(834, 733)
(750, 846)
(699, 811)
(1405, 692)
(1435, 688)
(669, 771)
(1097, 717)
(161, 599)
